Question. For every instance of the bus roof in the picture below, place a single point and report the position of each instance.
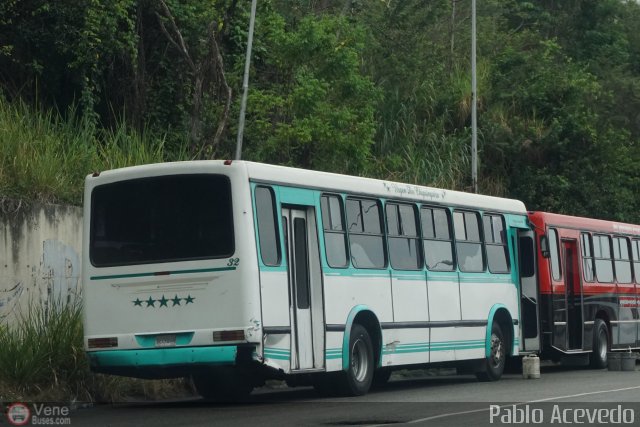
(542, 219)
(378, 188)
(324, 181)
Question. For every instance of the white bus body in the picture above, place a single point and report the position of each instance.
(179, 278)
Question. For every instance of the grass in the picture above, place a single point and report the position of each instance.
(41, 351)
(415, 144)
(45, 157)
(431, 159)
(42, 359)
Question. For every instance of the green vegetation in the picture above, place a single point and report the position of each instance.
(42, 350)
(44, 156)
(379, 89)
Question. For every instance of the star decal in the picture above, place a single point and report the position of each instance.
(163, 301)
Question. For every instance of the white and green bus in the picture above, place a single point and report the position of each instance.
(236, 272)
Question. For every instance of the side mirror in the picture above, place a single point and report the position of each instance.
(544, 246)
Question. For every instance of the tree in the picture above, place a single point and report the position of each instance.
(309, 103)
(209, 68)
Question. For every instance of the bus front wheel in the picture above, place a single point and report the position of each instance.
(356, 380)
(495, 362)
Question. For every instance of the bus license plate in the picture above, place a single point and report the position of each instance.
(167, 340)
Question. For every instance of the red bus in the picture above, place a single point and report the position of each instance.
(589, 286)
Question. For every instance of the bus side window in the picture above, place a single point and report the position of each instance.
(622, 259)
(554, 253)
(496, 243)
(437, 240)
(335, 235)
(468, 242)
(366, 238)
(635, 252)
(587, 257)
(602, 257)
(404, 251)
(268, 235)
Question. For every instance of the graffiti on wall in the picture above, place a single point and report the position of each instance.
(60, 269)
(9, 298)
(57, 278)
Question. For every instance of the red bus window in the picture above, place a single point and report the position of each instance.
(587, 257)
(622, 259)
(602, 257)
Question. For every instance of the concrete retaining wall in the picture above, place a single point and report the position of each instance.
(40, 257)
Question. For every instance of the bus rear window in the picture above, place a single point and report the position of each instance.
(161, 219)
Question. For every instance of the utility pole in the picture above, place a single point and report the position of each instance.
(245, 82)
(474, 104)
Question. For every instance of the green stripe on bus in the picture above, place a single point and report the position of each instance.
(457, 342)
(276, 356)
(506, 280)
(435, 346)
(162, 273)
(400, 351)
(459, 347)
(333, 353)
(277, 353)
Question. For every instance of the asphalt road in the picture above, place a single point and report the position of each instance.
(560, 396)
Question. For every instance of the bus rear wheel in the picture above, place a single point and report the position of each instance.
(356, 380)
(495, 362)
(223, 385)
(598, 357)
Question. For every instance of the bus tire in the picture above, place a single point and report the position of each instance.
(493, 365)
(223, 385)
(598, 356)
(356, 380)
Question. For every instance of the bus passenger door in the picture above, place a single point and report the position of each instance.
(305, 288)
(573, 296)
(529, 310)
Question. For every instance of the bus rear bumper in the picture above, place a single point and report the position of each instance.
(161, 362)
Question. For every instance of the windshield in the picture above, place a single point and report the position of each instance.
(161, 219)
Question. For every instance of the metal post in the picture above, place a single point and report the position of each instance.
(474, 105)
(245, 82)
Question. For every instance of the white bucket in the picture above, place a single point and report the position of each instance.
(531, 367)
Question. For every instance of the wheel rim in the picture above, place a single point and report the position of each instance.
(359, 360)
(497, 351)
